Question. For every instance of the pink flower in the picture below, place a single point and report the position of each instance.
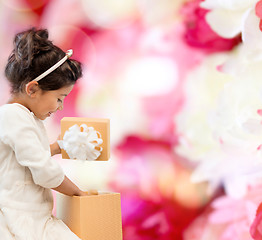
(153, 187)
(258, 10)
(161, 111)
(141, 163)
(228, 218)
(256, 227)
(199, 34)
(148, 220)
(161, 108)
(37, 7)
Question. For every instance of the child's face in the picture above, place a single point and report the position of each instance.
(48, 102)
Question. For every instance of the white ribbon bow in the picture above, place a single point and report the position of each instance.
(82, 143)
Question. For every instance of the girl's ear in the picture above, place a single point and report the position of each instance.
(31, 88)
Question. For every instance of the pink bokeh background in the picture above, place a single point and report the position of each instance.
(137, 57)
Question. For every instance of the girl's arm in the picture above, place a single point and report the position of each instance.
(67, 187)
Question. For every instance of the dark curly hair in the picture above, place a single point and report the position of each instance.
(32, 55)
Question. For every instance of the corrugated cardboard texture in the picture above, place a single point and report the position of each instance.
(102, 125)
(95, 217)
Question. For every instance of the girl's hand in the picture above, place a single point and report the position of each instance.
(54, 148)
(88, 193)
(82, 193)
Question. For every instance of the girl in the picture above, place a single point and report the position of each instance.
(41, 75)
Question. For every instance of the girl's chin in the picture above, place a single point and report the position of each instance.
(43, 117)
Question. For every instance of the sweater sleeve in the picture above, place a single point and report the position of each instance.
(18, 129)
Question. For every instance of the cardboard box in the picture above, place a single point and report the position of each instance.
(102, 125)
(94, 217)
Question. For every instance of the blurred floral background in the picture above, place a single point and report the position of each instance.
(181, 81)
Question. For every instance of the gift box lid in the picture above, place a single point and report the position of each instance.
(101, 125)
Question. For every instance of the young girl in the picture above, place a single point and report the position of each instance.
(41, 75)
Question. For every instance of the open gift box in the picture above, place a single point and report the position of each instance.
(93, 217)
(99, 125)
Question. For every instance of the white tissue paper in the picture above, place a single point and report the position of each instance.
(82, 143)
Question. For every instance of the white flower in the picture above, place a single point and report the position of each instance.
(235, 160)
(202, 87)
(220, 126)
(227, 17)
(232, 167)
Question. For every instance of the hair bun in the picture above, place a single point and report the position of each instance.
(29, 43)
(32, 55)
